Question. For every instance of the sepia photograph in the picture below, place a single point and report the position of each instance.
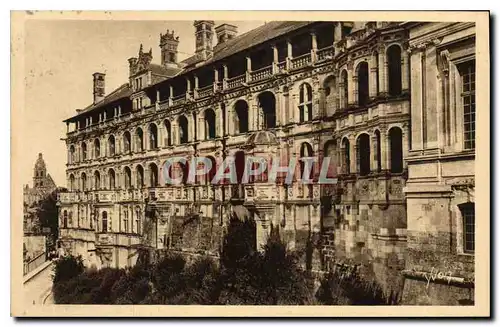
(213, 164)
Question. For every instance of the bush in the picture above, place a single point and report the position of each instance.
(67, 268)
(348, 288)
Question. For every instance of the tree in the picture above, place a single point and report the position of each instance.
(47, 213)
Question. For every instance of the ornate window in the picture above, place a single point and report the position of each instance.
(84, 151)
(126, 142)
(125, 220)
(394, 69)
(183, 130)
(71, 182)
(363, 154)
(65, 219)
(168, 133)
(140, 176)
(105, 221)
(209, 124)
(468, 75)
(153, 175)
(112, 179)
(128, 178)
(396, 143)
(153, 136)
(84, 182)
(97, 148)
(111, 145)
(97, 180)
(72, 157)
(139, 139)
(363, 84)
(305, 103)
(468, 223)
(241, 111)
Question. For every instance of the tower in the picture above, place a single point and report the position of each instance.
(40, 171)
(168, 45)
(225, 32)
(204, 34)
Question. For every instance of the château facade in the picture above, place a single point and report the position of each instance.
(283, 90)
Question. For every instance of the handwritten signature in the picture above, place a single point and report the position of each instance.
(433, 275)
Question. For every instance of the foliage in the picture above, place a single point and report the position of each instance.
(348, 288)
(67, 267)
(243, 276)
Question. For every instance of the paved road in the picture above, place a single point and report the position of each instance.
(38, 285)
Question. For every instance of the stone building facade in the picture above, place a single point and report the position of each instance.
(441, 183)
(284, 90)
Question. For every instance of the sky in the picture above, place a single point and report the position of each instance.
(60, 58)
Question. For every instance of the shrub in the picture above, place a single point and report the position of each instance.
(67, 268)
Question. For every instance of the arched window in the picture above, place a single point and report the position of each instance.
(378, 153)
(97, 180)
(111, 145)
(306, 151)
(396, 143)
(84, 151)
(125, 220)
(209, 124)
(112, 179)
(305, 103)
(84, 182)
(97, 148)
(153, 136)
(71, 182)
(330, 151)
(128, 177)
(239, 164)
(138, 219)
(72, 157)
(267, 103)
(346, 160)
(139, 137)
(140, 176)
(241, 115)
(168, 133)
(127, 142)
(153, 175)
(394, 69)
(183, 130)
(105, 221)
(363, 84)
(330, 101)
(211, 173)
(344, 88)
(363, 154)
(65, 219)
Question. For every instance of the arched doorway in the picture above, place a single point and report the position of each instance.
(241, 117)
(363, 154)
(267, 104)
(396, 144)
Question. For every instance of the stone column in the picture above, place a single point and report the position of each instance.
(275, 59)
(406, 143)
(174, 132)
(405, 71)
(353, 155)
(382, 71)
(289, 54)
(314, 46)
(219, 123)
(373, 76)
(384, 150)
(350, 85)
(216, 78)
(373, 152)
(249, 69)
(201, 127)
(191, 128)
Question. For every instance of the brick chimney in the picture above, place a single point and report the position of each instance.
(99, 90)
(204, 38)
(225, 32)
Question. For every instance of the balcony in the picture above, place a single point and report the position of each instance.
(205, 91)
(235, 81)
(180, 99)
(261, 74)
(300, 61)
(325, 53)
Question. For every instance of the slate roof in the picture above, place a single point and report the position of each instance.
(247, 40)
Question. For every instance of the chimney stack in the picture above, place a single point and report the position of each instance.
(99, 90)
(225, 32)
(204, 32)
(168, 45)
